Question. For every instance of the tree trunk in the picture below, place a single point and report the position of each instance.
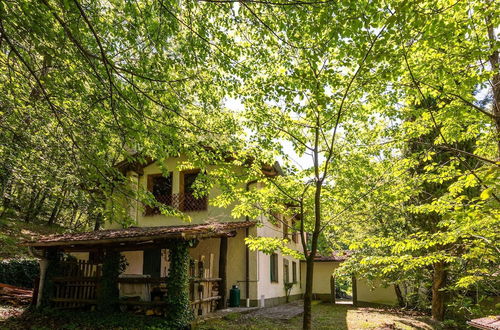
(307, 319)
(438, 295)
(399, 295)
(31, 205)
(495, 80)
(223, 272)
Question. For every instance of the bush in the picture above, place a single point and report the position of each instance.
(72, 319)
(19, 272)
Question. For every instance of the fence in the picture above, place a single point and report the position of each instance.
(78, 286)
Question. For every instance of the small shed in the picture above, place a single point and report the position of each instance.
(69, 283)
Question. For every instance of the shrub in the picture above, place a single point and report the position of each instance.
(19, 272)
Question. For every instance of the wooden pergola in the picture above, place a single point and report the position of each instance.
(80, 283)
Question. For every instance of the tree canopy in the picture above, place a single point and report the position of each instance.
(385, 116)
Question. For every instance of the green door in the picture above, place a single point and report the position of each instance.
(152, 262)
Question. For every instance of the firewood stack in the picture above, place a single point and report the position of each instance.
(15, 296)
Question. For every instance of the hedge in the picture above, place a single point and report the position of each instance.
(19, 272)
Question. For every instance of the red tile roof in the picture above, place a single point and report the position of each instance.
(335, 256)
(490, 322)
(134, 234)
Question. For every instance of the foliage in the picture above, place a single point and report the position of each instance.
(178, 303)
(108, 296)
(269, 245)
(348, 88)
(19, 272)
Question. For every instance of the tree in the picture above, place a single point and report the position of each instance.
(306, 85)
(84, 83)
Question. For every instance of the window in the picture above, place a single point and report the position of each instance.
(286, 271)
(274, 267)
(188, 201)
(161, 187)
(294, 272)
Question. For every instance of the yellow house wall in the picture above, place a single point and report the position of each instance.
(203, 251)
(265, 287)
(134, 260)
(375, 292)
(322, 274)
(259, 272)
(136, 209)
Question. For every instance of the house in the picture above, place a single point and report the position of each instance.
(219, 257)
(152, 258)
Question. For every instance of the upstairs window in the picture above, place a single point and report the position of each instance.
(187, 199)
(161, 188)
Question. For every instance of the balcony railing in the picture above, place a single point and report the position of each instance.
(183, 202)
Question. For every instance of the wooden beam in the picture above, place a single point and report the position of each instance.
(332, 289)
(222, 272)
(354, 291)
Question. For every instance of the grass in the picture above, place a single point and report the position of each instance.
(326, 316)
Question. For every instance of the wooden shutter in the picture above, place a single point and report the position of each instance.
(274, 267)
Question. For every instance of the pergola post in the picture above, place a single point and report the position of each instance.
(44, 263)
(222, 272)
(49, 267)
(108, 292)
(332, 289)
(179, 306)
(354, 291)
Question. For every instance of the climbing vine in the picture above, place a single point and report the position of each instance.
(177, 298)
(109, 293)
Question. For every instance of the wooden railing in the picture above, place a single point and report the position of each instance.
(79, 283)
(183, 202)
(204, 295)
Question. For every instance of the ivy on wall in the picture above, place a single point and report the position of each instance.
(108, 293)
(177, 297)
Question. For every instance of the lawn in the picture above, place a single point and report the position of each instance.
(326, 316)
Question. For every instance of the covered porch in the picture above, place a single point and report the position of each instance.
(88, 270)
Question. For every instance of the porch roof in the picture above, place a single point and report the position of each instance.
(140, 234)
(337, 256)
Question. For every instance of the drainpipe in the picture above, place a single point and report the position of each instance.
(247, 254)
